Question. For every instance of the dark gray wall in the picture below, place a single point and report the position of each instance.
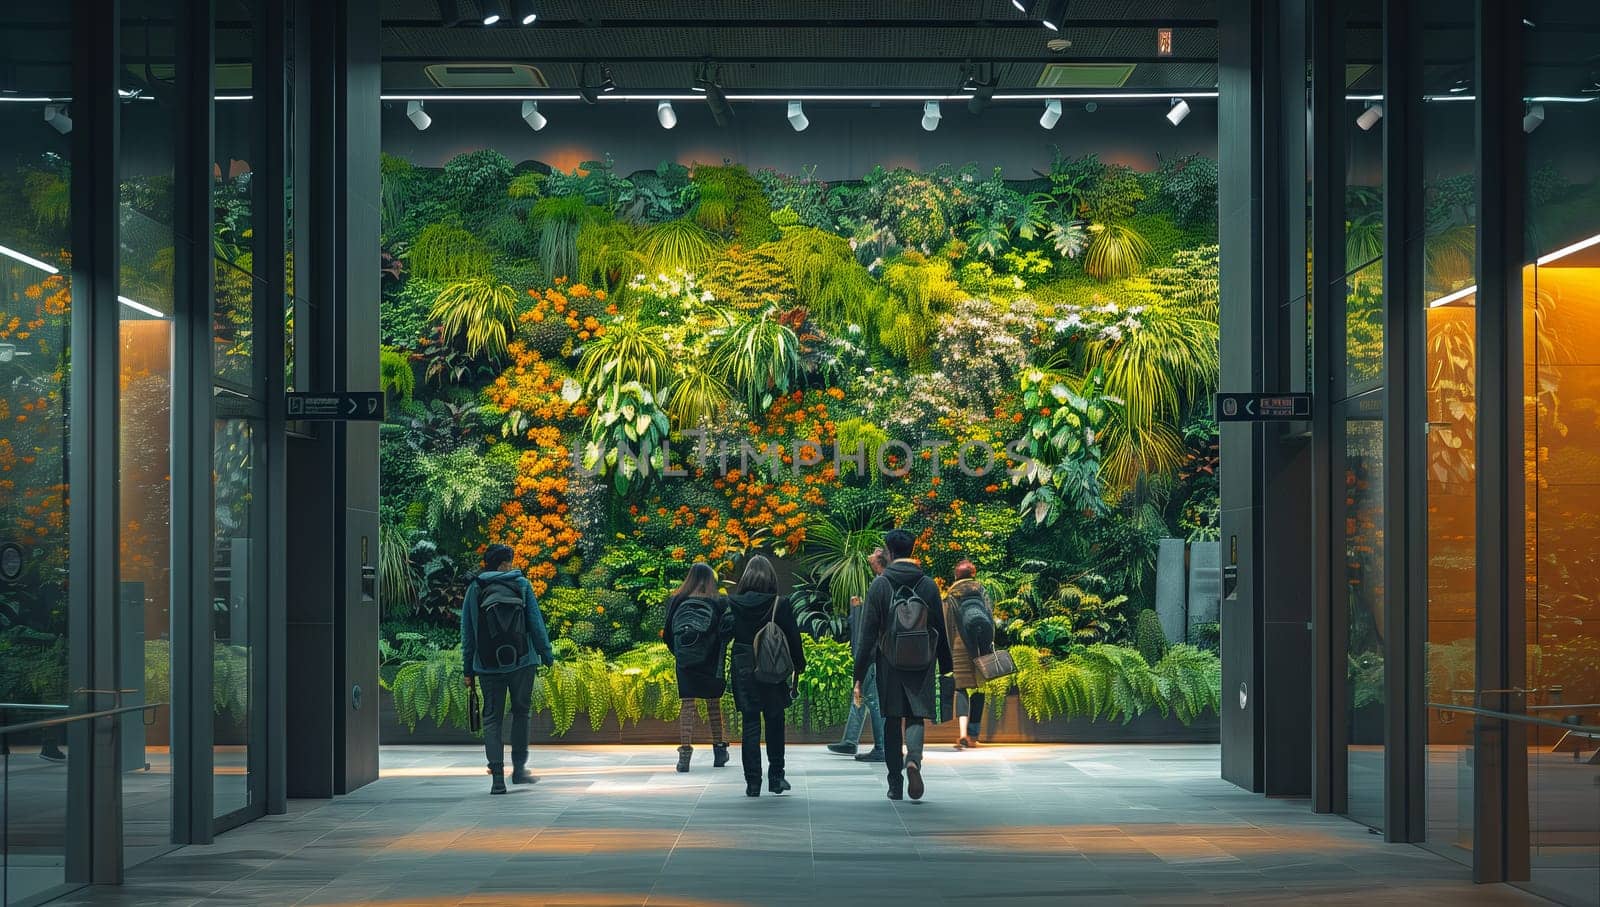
(843, 142)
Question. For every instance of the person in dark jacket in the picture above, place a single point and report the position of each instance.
(753, 604)
(908, 698)
(859, 712)
(704, 680)
(498, 679)
(969, 695)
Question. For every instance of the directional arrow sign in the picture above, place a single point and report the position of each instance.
(1263, 407)
(358, 406)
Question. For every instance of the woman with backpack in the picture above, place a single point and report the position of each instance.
(969, 614)
(694, 637)
(767, 663)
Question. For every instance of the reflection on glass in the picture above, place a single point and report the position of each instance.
(1363, 328)
(1364, 598)
(35, 375)
(233, 598)
(233, 333)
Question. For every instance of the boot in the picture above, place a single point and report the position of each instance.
(498, 783)
(777, 784)
(521, 775)
(719, 755)
(752, 787)
(895, 788)
(684, 752)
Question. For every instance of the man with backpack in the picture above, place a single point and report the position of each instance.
(503, 639)
(903, 634)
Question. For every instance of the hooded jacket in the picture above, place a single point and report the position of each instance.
(903, 694)
(748, 612)
(539, 650)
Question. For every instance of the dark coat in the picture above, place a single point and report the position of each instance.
(903, 694)
(748, 612)
(703, 681)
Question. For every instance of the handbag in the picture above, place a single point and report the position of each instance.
(995, 665)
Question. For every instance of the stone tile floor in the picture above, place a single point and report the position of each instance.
(1015, 825)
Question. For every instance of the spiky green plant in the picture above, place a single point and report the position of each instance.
(395, 374)
(397, 576)
(447, 252)
(626, 352)
(695, 396)
(608, 253)
(556, 223)
(479, 312)
(759, 358)
(836, 553)
(1116, 250)
(676, 245)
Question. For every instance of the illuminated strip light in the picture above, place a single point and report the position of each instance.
(786, 97)
(1557, 255)
(138, 306)
(1540, 99)
(29, 260)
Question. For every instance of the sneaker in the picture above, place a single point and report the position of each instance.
(871, 756)
(752, 788)
(778, 785)
(521, 775)
(719, 755)
(914, 780)
(498, 785)
(894, 788)
(53, 756)
(843, 749)
(684, 752)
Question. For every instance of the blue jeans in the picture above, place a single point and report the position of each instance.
(858, 713)
(495, 687)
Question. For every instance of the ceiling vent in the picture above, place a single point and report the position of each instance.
(481, 76)
(1086, 75)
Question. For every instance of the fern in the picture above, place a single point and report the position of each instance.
(396, 374)
(431, 689)
(1188, 682)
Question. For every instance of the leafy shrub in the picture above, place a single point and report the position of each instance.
(403, 319)
(447, 252)
(464, 487)
(477, 181)
(732, 204)
(478, 313)
(556, 222)
(1188, 187)
(1149, 637)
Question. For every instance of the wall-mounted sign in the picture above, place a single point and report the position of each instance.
(1263, 407)
(358, 406)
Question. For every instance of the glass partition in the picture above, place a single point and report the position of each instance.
(1360, 446)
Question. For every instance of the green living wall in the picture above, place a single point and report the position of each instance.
(619, 375)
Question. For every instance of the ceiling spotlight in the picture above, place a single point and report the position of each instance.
(1180, 110)
(1533, 119)
(531, 115)
(1021, 5)
(797, 117)
(982, 87)
(1370, 117)
(493, 11)
(931, 115)
(1052, 114)
(56, 116)
(665, 113)
(524, 11)
(1055, 14)
(414, 112)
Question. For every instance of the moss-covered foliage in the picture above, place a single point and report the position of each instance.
(619, 375)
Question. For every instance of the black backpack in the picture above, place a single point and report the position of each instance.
(774, 663)
(907, 641)
(975, 620)
(694, 632)
(502, 623)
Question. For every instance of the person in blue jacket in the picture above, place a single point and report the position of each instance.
(504, 656)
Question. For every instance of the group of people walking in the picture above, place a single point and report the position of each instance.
(905, 636)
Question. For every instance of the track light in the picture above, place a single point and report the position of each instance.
(523, 9)
(1533, 119)
(982, 88)
(797, 117)
(1178, 112)
(414, 112)
(931, 115)
(1370, 117)
(667, 116)
(1055, 14)
(1052, 114)
(493, 11)
(531, 115)
(56, 116)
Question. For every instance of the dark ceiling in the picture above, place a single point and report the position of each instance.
(816, 45)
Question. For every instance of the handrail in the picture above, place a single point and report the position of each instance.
(1523, 719)
(84, 716)
(33, 707)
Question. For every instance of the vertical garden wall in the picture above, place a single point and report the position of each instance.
(619, 374)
